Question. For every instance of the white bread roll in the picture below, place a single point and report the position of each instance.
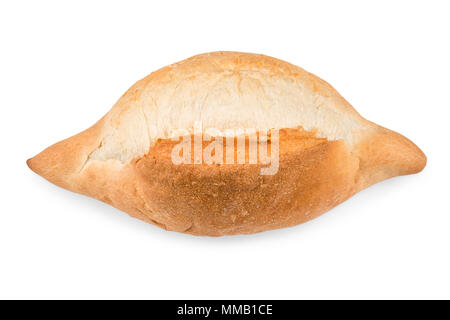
(326, 151)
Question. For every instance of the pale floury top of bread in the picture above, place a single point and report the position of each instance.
(328, 151)
(225, 90)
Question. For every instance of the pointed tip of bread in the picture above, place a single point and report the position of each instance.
(404, 155)
(29, 161)
(36, 165)
(47, 164)
(420, 160)
(385, 154)
(61, 161)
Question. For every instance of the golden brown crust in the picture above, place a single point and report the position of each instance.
(315, 174)
(234, 199)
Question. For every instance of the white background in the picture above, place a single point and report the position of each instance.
(64, 64)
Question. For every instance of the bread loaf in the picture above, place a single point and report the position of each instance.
(228, 143)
